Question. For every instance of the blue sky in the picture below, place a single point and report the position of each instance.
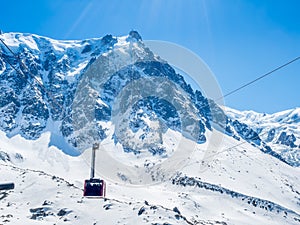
(238, 40)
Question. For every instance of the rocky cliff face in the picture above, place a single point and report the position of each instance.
(39, 96)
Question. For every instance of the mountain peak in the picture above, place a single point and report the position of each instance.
(135, 35)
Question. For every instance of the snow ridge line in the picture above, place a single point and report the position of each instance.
(42, 173)
(184, 181)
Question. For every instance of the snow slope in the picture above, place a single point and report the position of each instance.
(240, 186)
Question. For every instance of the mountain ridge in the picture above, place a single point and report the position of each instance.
(59, 65)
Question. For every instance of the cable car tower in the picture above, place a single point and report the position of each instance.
(94, 187)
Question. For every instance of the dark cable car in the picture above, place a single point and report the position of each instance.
(94, 187)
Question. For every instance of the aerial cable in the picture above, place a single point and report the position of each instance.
(258, 78)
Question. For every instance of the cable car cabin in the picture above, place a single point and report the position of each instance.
(94, 188)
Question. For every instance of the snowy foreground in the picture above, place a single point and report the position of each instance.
(238, 186)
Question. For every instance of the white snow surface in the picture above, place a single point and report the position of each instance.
(50, 182)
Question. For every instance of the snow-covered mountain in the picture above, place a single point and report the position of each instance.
(30, 109)
(279, 130)
(251, 178)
